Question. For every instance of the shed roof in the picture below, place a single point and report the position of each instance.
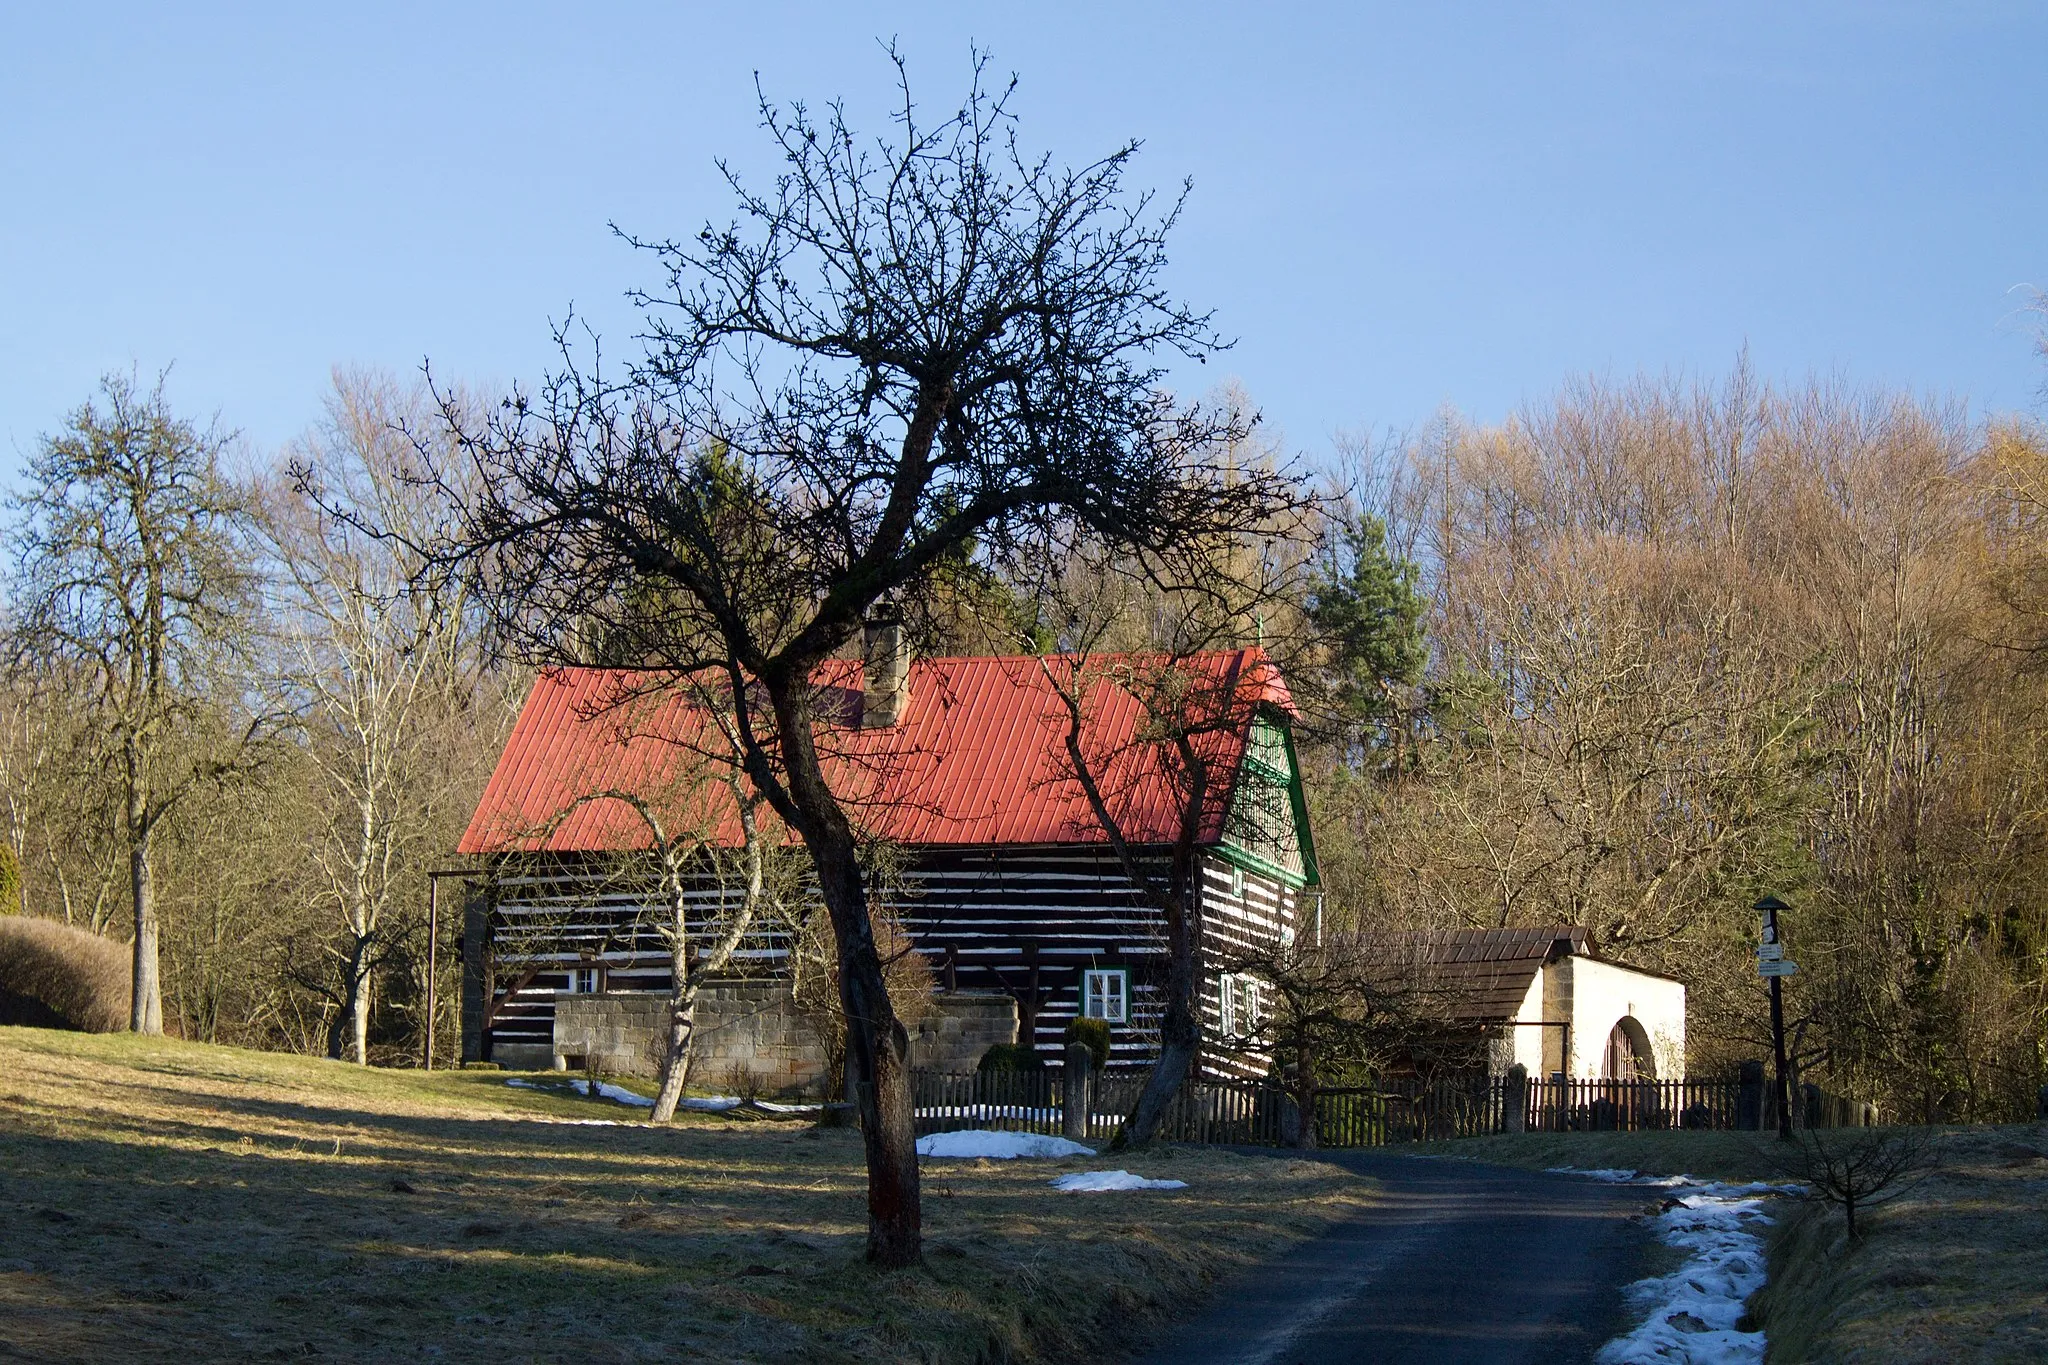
(977, 758)
(1484, 975)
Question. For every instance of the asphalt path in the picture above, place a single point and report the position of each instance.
(1455, 1264)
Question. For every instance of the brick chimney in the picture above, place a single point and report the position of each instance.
(885, 670)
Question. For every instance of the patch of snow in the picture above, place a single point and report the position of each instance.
(719, 1104)
(1612, 1176)
(574, 1123)
(1691, 1315)
(1095, 1182)
(979, 1142)
(616, 1093)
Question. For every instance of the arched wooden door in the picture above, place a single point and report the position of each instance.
(1628, 1056)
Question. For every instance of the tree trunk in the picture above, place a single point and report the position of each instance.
(359, 1019)
(1305, 1094)
(682, 1028)
(146, 998)
(877, 1047)
(1180, 1030)
(350, 1030)
(878, 1055)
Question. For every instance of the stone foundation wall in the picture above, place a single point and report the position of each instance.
(963, 1027)
(752, 1026)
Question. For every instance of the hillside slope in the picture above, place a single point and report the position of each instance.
(173, 1200)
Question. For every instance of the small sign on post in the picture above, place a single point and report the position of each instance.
(1776, 969)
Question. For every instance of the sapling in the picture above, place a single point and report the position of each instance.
(1858, 1168)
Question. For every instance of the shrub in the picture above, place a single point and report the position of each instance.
(55, 976)
(1011, 1057)
(1092, 1034)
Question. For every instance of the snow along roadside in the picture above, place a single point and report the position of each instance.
(1692, 1314)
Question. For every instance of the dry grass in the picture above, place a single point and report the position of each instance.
(168, 1200)
(60, 977)
(1720, 1156)
(1955, 1271)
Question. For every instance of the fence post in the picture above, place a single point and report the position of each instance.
(1514, 1108)
(1075, 1088)
(1749, 1098)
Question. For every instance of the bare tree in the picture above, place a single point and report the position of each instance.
(702, 946)
(1189, 600)
(382, 659)
(1345, 1007)
(739, 886)
(1859, 1168)
(907, 351)
(132, 571)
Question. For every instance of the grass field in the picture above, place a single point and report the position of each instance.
(173, 1201)
(1954, 1271)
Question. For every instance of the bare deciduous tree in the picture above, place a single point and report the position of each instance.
(1858, 1168)
(907, 350)
(382, 660)
(132, 572)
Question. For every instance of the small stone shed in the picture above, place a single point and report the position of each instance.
(1543, 999)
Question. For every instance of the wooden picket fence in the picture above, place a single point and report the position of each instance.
(1394, 1111)
(1205, 1111)
(1410, 1110)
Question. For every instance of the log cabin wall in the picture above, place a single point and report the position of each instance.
(1023, 921)
(550, 922)
(1245, 911)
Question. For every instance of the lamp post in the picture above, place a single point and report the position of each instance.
(1771, 963)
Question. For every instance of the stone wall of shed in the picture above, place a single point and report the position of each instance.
(755, 1027)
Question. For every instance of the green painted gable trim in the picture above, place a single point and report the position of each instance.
(1297, 801)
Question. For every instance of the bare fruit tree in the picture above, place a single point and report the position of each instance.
(907, 350)
(716, 878)
(1174, 607)
(132, 574)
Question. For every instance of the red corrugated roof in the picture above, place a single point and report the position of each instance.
(978, 756)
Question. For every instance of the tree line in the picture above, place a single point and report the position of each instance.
(237, 728)
(1692, 644)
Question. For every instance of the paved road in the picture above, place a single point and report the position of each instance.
(1458, 1264)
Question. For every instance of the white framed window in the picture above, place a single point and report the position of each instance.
(1237, 882)
(1106, 994)
(583, 981)
(1239, 1005)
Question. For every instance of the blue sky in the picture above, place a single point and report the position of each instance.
(1396, 207)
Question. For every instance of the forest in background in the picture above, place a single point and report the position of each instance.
(1630, 659)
